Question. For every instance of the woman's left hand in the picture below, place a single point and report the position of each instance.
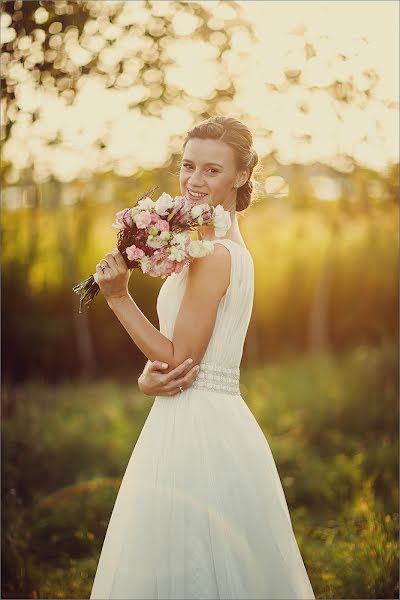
(112, 275)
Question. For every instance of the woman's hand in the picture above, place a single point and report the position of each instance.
(154, 382)
(112, 275)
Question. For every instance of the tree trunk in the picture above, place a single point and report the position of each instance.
(70, 249)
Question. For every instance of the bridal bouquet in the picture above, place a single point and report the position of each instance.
(153, 236)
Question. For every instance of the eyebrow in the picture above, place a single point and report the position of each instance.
(206, 165)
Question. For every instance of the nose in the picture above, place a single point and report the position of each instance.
(196, 179)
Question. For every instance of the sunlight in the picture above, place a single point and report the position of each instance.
(344, 100)
(275, 185)
(325, 188)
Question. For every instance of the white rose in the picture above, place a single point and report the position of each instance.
(135, 210)
(177, 253)
(221, 220)
(154, 241)
(146, 203)
(145, 263)
(165, 201)
(209, 247)
(165, 235)
(179, 239)
(196, 211)
(199, 248)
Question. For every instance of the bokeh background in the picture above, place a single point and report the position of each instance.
(96, 98)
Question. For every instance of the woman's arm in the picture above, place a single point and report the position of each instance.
(153, 344)
(208, 280)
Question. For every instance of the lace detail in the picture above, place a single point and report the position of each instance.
(216, 378)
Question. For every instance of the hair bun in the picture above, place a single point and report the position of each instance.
(243, 196)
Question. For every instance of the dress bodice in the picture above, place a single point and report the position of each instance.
(225, 349)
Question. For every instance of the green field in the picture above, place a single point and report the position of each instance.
(331, 422)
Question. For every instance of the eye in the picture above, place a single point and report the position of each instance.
(189, 166)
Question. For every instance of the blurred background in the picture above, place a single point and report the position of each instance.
(96, 98)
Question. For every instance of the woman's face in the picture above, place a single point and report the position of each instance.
(208, 173)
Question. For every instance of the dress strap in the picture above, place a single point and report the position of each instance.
(227, 240)
(231, 243)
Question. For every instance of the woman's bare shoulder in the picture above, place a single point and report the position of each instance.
(219, 259)
(211, 271)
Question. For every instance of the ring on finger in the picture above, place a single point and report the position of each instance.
(181, 389)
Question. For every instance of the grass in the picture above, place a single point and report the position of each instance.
(331, 422)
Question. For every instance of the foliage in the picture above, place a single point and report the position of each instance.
(138, 43)
(355, 554)
(339, 266)
(331, 422)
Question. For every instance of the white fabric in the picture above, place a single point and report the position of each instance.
(201, 512)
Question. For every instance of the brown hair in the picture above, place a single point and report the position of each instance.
(238, 136)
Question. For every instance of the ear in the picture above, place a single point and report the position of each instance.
(241, 178)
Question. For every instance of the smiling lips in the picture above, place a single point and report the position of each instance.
(197, 194)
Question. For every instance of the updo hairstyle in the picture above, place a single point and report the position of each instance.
(238, 136)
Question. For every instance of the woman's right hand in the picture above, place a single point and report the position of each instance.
(155, 382)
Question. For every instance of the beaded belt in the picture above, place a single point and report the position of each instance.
(215, 378)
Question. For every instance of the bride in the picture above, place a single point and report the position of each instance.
(201, 512)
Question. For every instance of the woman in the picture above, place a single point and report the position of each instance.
(201, 512)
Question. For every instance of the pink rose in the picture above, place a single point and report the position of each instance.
(142, 219)
(167, 268)
(163, 225)
(156, 270)
(178, 266)
(133, 253)
(161, 266)
(160, 223)
(123, 219)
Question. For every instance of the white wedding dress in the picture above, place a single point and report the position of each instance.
(201, 512)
